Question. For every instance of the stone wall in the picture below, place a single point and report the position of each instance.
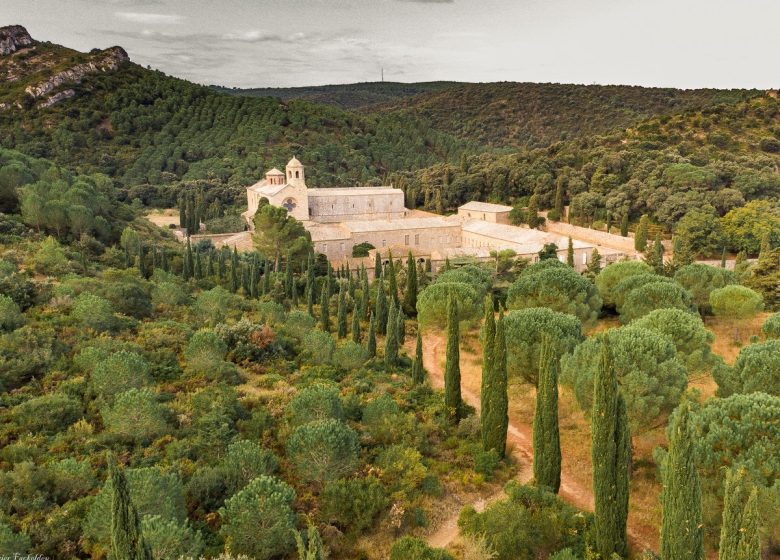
(492, 217)
(341, 208)
(601, 238)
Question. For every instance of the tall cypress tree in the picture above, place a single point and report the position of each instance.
(356, 335)
(497, 417)
(341, 313)
(418, 371)
(391, 340)
(546, 437)
(141, 261)
(488, 373)
(381, 308)
(640, 236)
(681, 529)
(410, 294)
(452, 396)
(288, 277)
(558, 204)
(392, 280)
(570, 253)
(624, 225)
(610, 452)
(267, 277)
(377, 266)
(325, 311)
(234, 271)
(735, 496)
(400, 326)
(750, 544)
(365, 301)
(188, 264)
(127, 540)
(198, 268)
(371, 340)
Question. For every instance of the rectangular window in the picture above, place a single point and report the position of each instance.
(341, 247)
(324, 248)
(384, 243)
(416, 238)
(584, 258)
(406, 239)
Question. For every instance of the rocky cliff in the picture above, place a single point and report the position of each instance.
(13, 38)
(105, 61)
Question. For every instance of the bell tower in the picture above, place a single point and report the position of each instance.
(295, 175)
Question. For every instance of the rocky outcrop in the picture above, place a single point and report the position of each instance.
(56, 98)
(13, 38)
(107, 60)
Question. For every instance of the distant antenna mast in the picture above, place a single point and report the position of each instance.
(383, 74)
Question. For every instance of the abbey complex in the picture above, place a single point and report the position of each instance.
(339, 218)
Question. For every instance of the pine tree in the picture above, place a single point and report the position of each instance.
(681, 529)
(546, 436)
(735, 496)
(488, 373)
(127, 540)
(391, 340)
(325, 311)
(624, 225)
(610, 450)
(371, 340)
(377, 266)
(341, 313)
(570, 253)
(356, 335)
(381, 308)
(410, 294)
(418, 372)
(452, 395)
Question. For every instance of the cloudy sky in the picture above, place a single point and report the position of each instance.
(262, 43)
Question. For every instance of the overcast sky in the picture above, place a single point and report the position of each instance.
(262, 43)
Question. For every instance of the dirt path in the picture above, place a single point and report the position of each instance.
(519, 440)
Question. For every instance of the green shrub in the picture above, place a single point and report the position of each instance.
(170, 539)
(118, 372)
(49, 414)
(771, 327)
(486, 463)
(531, 523)
(412, 548)
(319, 401)
(12, 543)
(353, 504)
(10, 315)
(135, 415)
(94, 312)
(323, 450)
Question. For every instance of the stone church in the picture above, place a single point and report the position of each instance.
(339, 218)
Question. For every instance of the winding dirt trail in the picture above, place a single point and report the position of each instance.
(519, 441)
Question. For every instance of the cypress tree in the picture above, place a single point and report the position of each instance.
(371, 341)
(391, 340)
(127, 540)
(624, 225)
(681, 529)
(198, 268)
(288, 277)
(488, 373)
(452, 396)
(594, 266)
(750, 544)
(182, 213)
(164, 261)
(188, 264)
(418, 372)
(410, 294)
(428, 268)
(252, 280)
(381, 308)
(392, 281)
(221, 263)
(610, 450)
(658, 250)
(735, 496)
(313, 549)
(210, 264)
(400, 326)
(245, 279)
(267, 277)
(141, 261)
(723, 258)
(447, 265)
(377, 266)
(558, 205)
(609, 222)
(356, 335)
(325, 311)
(640, 236)
(546, 437)
(498, 410)
(570, 253)
(341, 313)
(234, 271)
(365, 302)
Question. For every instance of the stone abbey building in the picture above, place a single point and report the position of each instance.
(339, 218)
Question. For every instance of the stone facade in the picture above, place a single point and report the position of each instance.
(340, 218)
(485, 211)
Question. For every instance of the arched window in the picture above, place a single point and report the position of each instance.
(297, 174)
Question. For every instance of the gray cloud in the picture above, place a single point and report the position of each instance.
(150, 18)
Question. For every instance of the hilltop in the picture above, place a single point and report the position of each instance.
(345, 96)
